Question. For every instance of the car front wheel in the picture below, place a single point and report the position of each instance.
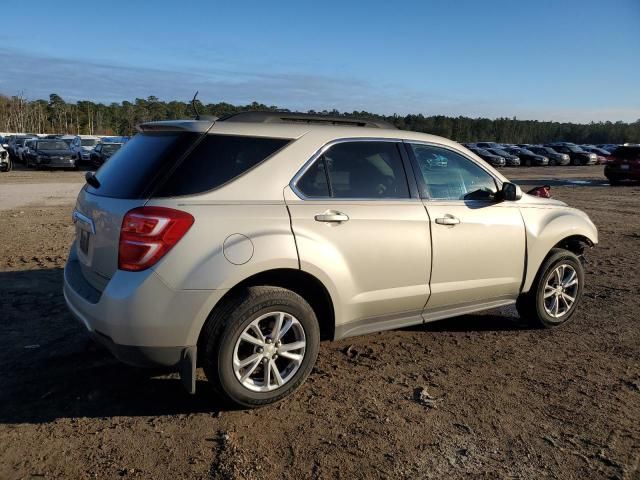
(260, 345)
(556, 290)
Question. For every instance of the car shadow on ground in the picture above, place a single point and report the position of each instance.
(52, 370)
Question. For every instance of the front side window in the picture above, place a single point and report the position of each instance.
(362, 169)
(447, 175)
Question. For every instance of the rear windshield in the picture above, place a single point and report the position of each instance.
(52, 145)
(150, 163)
(627, 153)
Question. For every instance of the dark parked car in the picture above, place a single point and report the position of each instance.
(488, 145)
(28, 150)
(51, 154)
(102, 152)
(577, 155)
(555, 158)
(510, 159)
(623, 165)
(15, 144)
(528, 158)
(490, 158)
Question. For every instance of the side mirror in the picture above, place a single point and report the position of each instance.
(511, 192)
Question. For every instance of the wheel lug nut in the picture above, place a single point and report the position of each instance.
(268, 340)
(275, 356)
(260, 349)
(278, 343)
(265, 360)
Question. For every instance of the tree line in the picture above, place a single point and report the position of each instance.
(55, 115)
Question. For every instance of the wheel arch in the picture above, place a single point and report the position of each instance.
(569, 229)
(298, 281)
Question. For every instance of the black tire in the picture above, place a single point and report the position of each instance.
(531, 305)
(552, 163)
(527, 162)
(576, 162)
(225, 325)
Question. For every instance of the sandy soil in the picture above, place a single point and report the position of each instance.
(506, 401)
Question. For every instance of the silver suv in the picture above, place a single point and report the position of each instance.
(238, 244)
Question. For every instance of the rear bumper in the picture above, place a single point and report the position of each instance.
(138, 317)
(616, 173)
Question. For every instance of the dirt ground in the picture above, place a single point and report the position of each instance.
(500, 400)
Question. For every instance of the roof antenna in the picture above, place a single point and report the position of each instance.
(195, 108)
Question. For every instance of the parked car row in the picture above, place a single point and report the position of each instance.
(59, 151)
(558, 153)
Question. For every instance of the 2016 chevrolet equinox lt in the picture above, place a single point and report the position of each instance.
(237, 244)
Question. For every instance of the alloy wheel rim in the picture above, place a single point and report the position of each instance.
(269, 351)
(560, 291)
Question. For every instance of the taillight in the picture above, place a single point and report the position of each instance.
(148, 233)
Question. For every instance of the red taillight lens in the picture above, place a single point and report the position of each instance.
(148, 233)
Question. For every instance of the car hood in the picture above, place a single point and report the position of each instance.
(535, 200)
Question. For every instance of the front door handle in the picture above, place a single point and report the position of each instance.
(331, 216)
(448, 220)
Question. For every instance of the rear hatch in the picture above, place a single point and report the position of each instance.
(125, 182)
(626, 158)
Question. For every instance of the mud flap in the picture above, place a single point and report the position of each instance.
(187, 368)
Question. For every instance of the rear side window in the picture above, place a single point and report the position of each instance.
(131, 172)
(368, 170)
(151, 163)
(217, 160)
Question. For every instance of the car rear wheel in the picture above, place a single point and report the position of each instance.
(576, 162)
(556, 290)
(259, 345)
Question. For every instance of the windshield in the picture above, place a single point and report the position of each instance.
(574, 149)
(526, 152)
(88, 142)
(110, 147)
(67, 140)
(499, 151)
(52, 145)
(480, 151)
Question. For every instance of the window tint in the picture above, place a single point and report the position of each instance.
(447, 175)
(143, 162)
(132, 170)
(217, 160)
(314, 181)
(366, 170)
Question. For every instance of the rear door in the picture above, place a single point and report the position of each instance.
(359, 228)
(478, 243)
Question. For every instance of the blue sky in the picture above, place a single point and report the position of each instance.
(575, 60)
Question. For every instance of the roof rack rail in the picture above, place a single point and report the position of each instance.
(307, 118)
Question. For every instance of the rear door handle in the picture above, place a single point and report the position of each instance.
(448, 220)
(331, 217)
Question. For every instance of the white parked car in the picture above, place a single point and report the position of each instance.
(82, 146)
(237, 244)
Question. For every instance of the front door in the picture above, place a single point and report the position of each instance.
(478, 242)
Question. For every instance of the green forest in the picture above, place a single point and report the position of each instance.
(55, 115)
